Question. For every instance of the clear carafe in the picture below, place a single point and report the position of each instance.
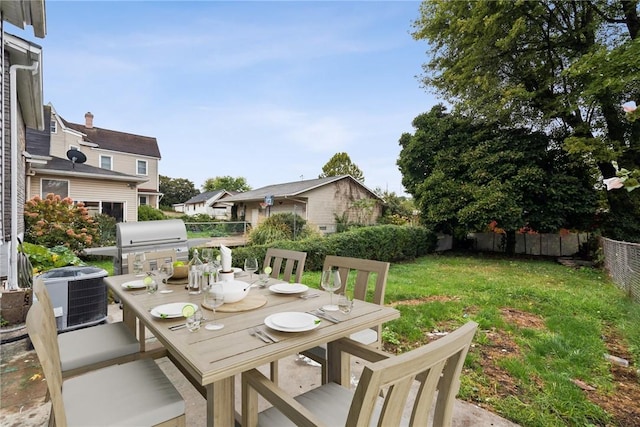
(196, 274)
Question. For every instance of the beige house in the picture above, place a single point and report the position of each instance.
(114, 173)
(320, 201)
(21, 105)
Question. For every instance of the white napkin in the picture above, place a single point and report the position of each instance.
(225, 258)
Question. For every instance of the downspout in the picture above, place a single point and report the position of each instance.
(2, 136)
(13, 260)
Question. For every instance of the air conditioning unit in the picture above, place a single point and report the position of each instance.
(78, 296)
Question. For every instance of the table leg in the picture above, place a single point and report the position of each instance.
(130, 320)
(220, 409)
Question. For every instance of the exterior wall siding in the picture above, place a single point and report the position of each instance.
(89, 190)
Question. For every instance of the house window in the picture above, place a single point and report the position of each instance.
(92, 207)
(54, 126)
(55, 186)
(142, 167)
(106, 162)
(143, 200)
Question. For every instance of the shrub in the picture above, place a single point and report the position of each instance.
(148, 213)
(106, 225)
(391, 243)
(56, 221)
(281, 226)
(44, 259)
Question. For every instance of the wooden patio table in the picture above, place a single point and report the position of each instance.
(211, 359)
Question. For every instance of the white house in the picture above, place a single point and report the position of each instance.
(208, 203)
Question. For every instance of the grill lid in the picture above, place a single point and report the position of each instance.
(144, 233)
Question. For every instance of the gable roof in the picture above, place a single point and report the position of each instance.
(203, 197)
(292, 189)
(64, 167)
(116, 141)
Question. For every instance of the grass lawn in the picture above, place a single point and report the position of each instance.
(537, 358)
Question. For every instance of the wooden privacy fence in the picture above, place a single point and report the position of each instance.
(622, 261)
(532, 244)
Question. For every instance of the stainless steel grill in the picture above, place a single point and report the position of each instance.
(149, 236)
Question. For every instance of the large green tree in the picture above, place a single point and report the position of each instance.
(554, 66)
(341, 164)
(467, 173)
(176, 190)
(227, 182)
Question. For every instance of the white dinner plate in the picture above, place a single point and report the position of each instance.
(292, 321)
(134, 284)
(170, 311)
(288, 288)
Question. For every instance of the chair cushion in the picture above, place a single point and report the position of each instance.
(133, 394)
(329, 402)
(84, 347)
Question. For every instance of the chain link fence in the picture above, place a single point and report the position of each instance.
(622, 261)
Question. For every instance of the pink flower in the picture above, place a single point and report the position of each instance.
(613, 183)
(629, 107)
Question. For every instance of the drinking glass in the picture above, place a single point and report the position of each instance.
(150, 283)
(345, 303)
(138, 263)
(194, 321)
(330, 283)
(213, 298)
(165, 271)
(207, 254)
(251, 266)
(263, 278)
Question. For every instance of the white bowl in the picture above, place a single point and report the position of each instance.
(234, 290)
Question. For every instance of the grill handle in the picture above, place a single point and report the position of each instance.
(136, 242)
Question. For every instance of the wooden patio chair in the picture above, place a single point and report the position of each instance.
(420, 373)
(363, 289)
(82, 350)
(135, 393)
(285, 264)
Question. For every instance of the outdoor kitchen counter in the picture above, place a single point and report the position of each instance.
(212, 358)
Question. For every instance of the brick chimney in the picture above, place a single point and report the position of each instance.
(88, 120)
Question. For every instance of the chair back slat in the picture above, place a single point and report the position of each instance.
(293, 264)
(44, 337)
(435, 366)
(42, 295)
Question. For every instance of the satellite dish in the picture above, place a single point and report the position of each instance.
(76, 156)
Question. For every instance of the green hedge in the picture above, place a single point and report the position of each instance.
(391, 243)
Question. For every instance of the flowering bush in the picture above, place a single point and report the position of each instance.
(55, 221)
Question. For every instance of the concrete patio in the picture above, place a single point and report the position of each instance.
(23, 388)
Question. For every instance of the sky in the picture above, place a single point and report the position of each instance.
(265, 90)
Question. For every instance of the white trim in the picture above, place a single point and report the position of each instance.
(42, 195)
(146, 167)
(104, 156)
